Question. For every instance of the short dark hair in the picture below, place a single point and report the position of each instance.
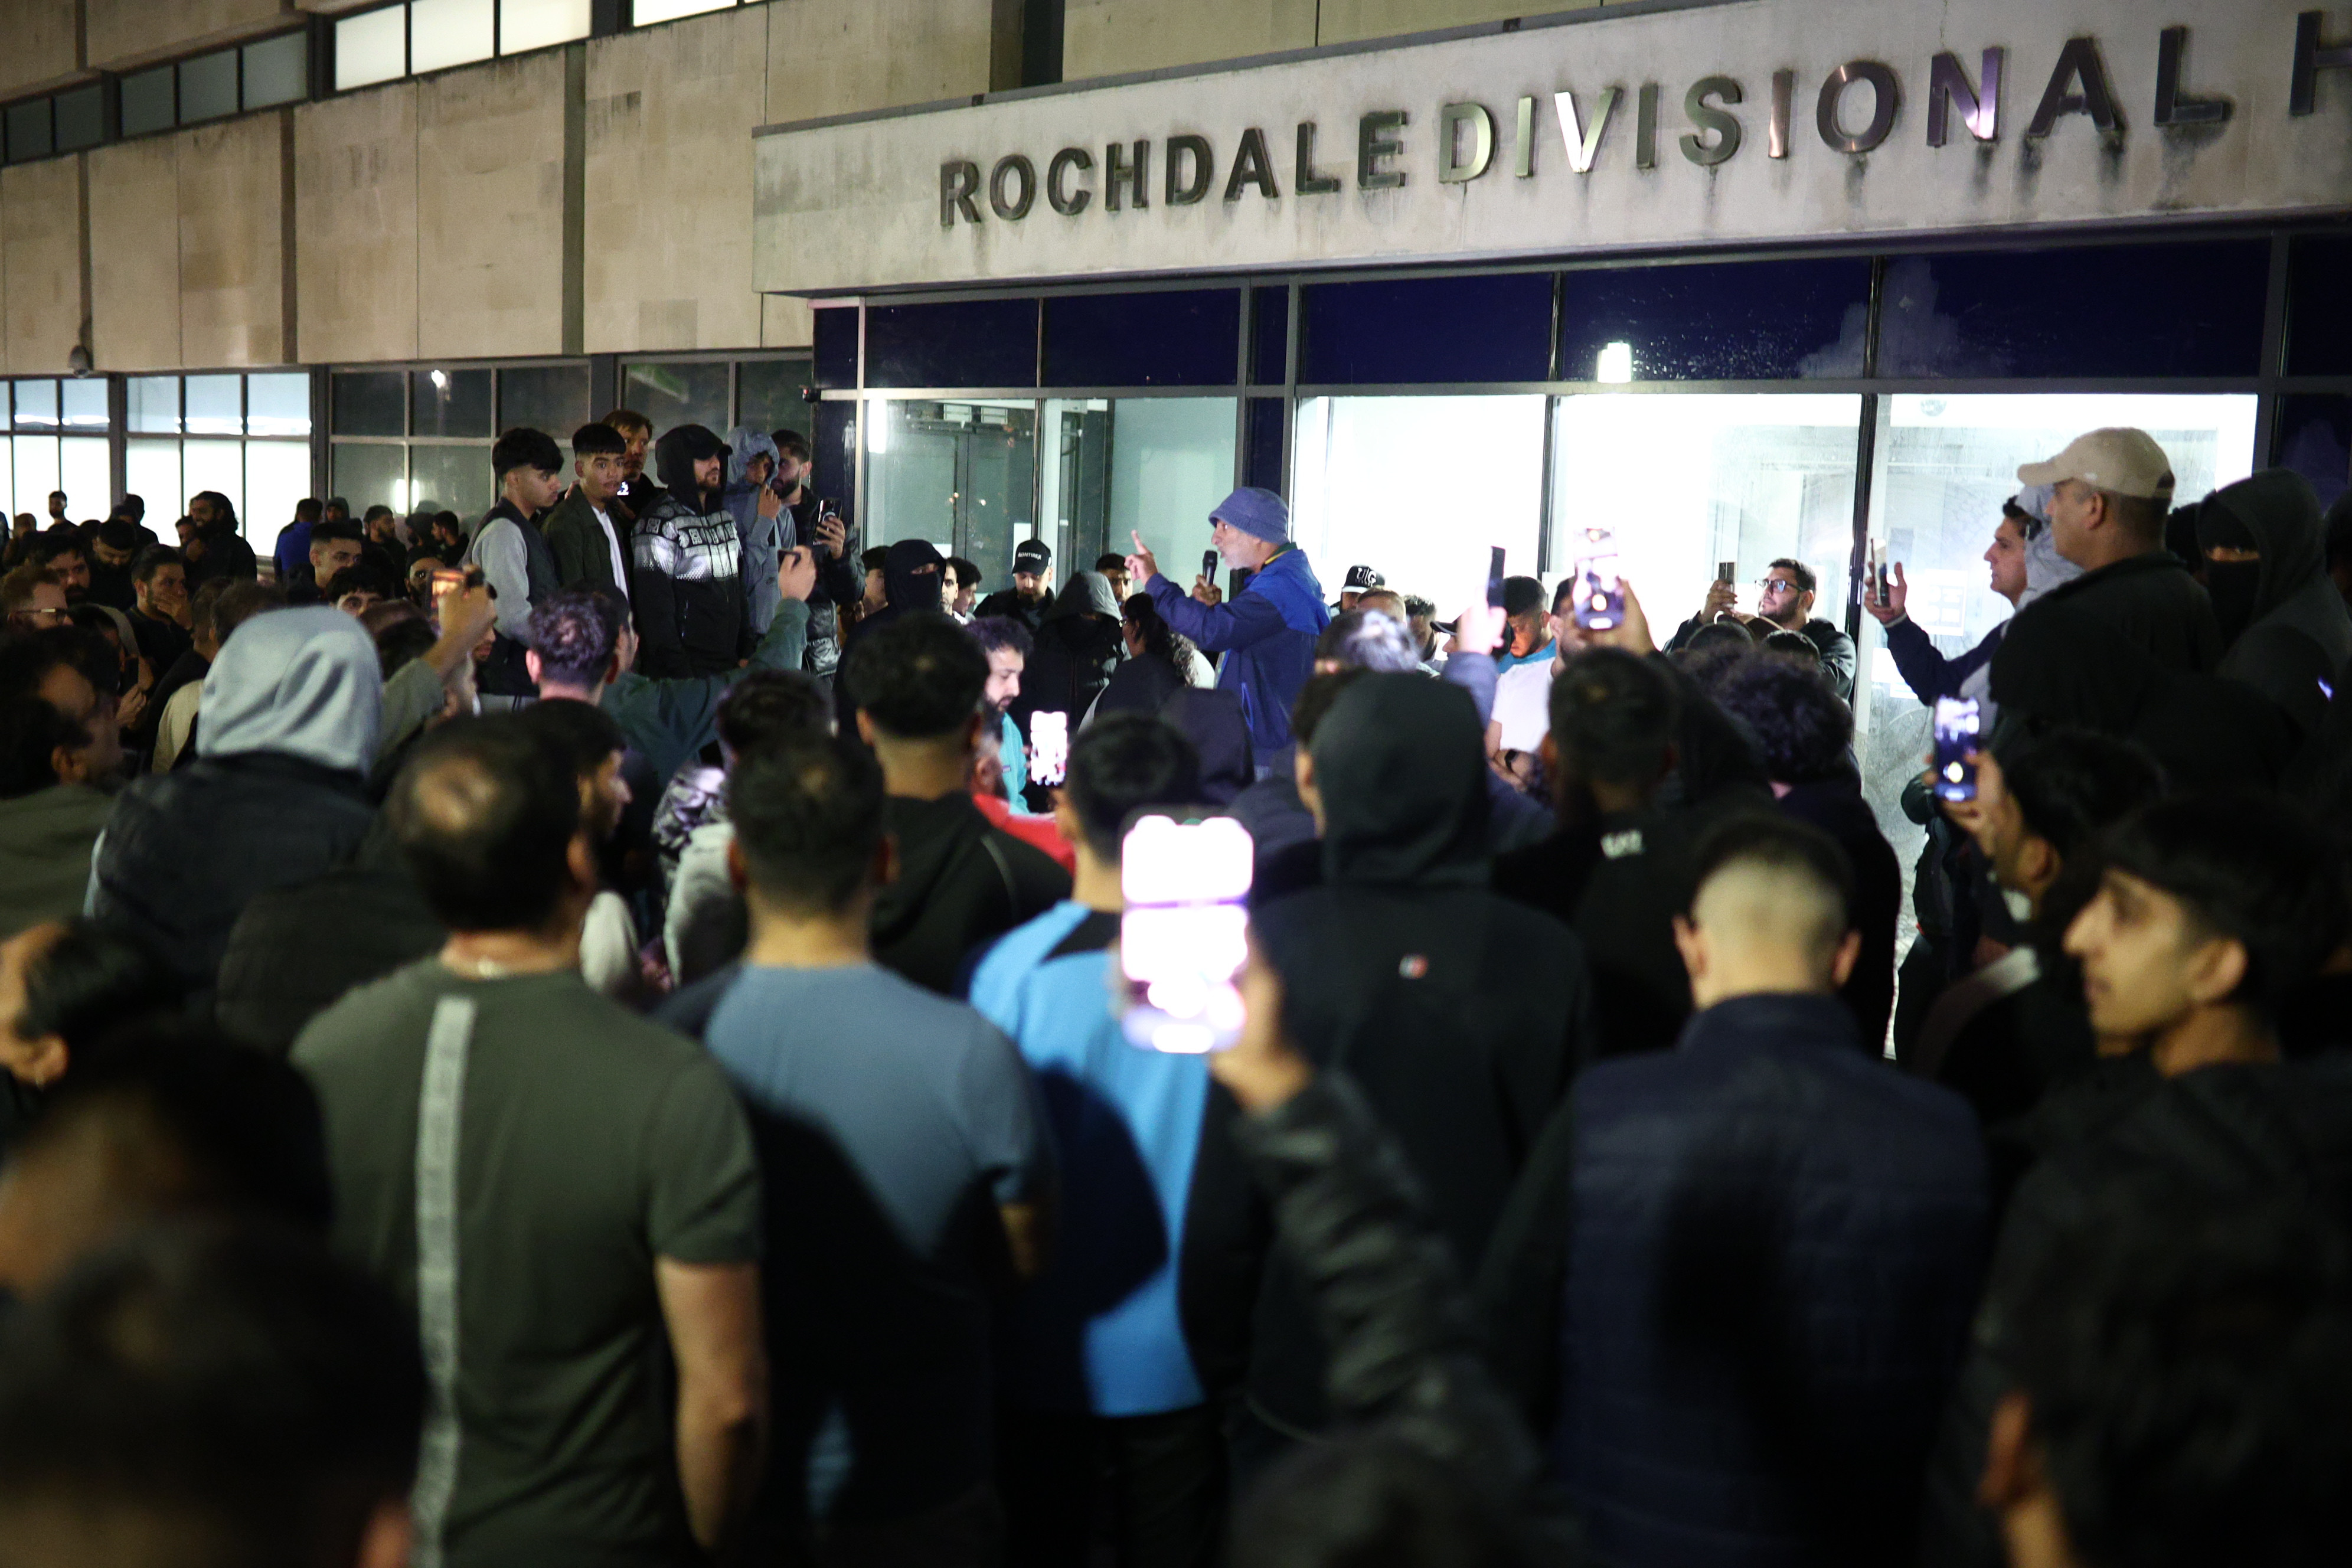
(214, 1394)
(377, 511)
(583, 732)
(523, 447)
(154, 558)
(485, 813)
(1799, 572)
(310, 509)
(808, 818)
(1613, 716)
(792, 444)
(1521, 595)
(1368, 639)
(344, 531)
(403, 643)
(1110, 561)
(91, 982)
(240, 602)
(1314, 700)
(1126, 763)
(121, 533)
(598, 438)
(365, 575)
(574, 632)
(2143, 517)
(772, 708)
(1561, 596)
(965, 570)
(919, 677)
(2186, 1359)
(1777, 843)
(1799, 726)
(875, 558)
(995, 634)
(2251, 867)
(627, 421)
(2072, 784)
(30, 733)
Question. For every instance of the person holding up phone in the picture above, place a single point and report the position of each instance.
(1101, 1359)
(1787, 602)
(1268, 632)
(1927, 670)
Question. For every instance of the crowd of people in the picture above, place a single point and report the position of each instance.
(594, 1034)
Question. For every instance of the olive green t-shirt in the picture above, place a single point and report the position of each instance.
(512, 1155)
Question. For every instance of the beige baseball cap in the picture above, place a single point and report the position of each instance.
(2126, 461)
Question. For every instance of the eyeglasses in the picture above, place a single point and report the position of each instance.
(40, 613)
(1777, 584)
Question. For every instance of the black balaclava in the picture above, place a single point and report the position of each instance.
(906, 585)
(1400, 761)
(2275, 511)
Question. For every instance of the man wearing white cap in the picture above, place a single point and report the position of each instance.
(2110, 490)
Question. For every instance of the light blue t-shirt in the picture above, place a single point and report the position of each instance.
(1101, 1332)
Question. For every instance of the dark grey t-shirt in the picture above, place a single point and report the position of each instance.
(511, 1156)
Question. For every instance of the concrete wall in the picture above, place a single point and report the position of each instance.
(590, 199)
(1107, 37)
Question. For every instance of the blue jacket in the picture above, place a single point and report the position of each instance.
(1775, 1248)
(1267, 633)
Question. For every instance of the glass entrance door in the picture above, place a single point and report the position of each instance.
(962, 475)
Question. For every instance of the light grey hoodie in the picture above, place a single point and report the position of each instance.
(303, 682)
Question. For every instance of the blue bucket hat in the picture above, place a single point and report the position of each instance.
(1260, 513)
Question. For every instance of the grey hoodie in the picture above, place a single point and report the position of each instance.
(765, 538)
(303, 682)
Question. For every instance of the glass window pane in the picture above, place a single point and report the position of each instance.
(7, 480)
(644, 13)
(549, 398)
(959, 474)
(835, 334)
(214, 406)
(37, 475)
(278, 70)
(369, 475)
(276, 475)
(83, 404)
(444, 32)
(36, 406)
(1345, 509)
(535, 24)
(369, 403)
(1694, 479)
(834, 444)
(1179, 338)
(2318, 314)
(208, 87)
(2078, 311)
(448, 479)
(81, 118)
(1739, 321)
(216, 465)
(152, 405)
(278, 404)
(1153, 466)
(979, 342)
(151, 469)
(2315, 439)
(683, 392)
(147, 102)
(1262, 462)
(29, 131)
(371, 47)
(1427, 329)
(768, 394)
(450, 401)
(83, 473)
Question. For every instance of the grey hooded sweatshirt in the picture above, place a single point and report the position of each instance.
(277, 796)
(765, 538)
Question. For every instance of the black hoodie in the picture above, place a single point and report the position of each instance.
(2282, 615)
(960, 885)
(1078, 649)
(1460, 1012)
(688, 591)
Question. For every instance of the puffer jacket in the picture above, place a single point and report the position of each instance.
(278, 794)
(689, 569)
(1267, 633)
(1773, 1248)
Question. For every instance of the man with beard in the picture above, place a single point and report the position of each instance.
(1033, 576)
(688, 588)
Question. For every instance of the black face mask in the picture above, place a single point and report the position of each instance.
(2235, 587)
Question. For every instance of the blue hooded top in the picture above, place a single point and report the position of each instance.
(1267, 633)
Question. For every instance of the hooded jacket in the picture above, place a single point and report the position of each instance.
(46, 838)
(912, 582)
(2282, 615)
(1460, 1012)
(1267, 633)
(960, 885)
(689, 569)
(764, 538)
(277, 794)
(1076, 650)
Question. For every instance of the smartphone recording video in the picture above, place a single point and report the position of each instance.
(1495, 594)
(1049, 747)
(1878, 580)
(1184, 938)
(1956, 739)
(1599, 598)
